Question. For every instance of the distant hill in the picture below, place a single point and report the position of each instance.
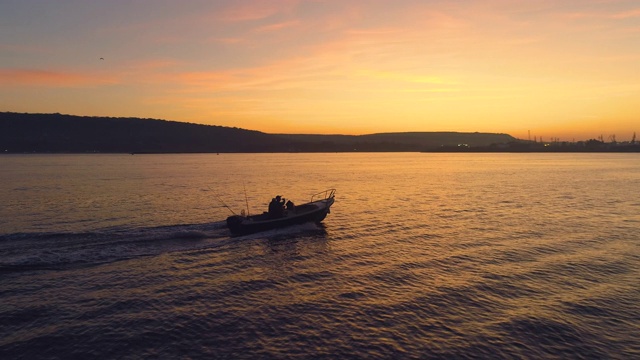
(406, 141)
(57, 133)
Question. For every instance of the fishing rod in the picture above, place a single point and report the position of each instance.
(220, 200)
(245, 197)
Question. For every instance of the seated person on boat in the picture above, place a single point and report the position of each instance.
(291, 207)
(276, 207)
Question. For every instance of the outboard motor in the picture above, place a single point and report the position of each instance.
(234, 221)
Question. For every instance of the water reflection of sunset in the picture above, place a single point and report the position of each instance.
(444, 255)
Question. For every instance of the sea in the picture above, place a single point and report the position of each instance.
(423, 256)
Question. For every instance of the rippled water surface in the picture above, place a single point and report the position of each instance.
(423, 256)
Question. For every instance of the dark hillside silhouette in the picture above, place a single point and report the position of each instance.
(57, 133)
(66, 133)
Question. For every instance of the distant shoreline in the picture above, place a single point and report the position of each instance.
(69, 134)
(635, 149)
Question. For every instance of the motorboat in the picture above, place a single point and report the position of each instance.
(313, 211)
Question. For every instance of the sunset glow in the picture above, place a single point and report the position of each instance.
(567, 70)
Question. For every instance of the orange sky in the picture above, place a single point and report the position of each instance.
(567, 70)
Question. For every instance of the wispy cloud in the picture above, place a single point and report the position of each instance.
(279, 26)
(602, 14)
(49, 78)
(634, 13)
(227, 40)
(23, 49)
(255, 10)
(407, 77)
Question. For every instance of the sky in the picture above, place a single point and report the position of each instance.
(542, 69)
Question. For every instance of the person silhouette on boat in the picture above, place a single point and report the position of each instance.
(276, 207)
(273, 200)
(290, 206)
(281, 207)
(272, 207)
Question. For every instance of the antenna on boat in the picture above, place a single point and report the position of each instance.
(246, 200)
(220, 200)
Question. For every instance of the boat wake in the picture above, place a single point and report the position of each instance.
(59, 251)
(67, 250)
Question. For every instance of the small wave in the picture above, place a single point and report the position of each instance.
(7, 268)
(557, 337)
(191, 234)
